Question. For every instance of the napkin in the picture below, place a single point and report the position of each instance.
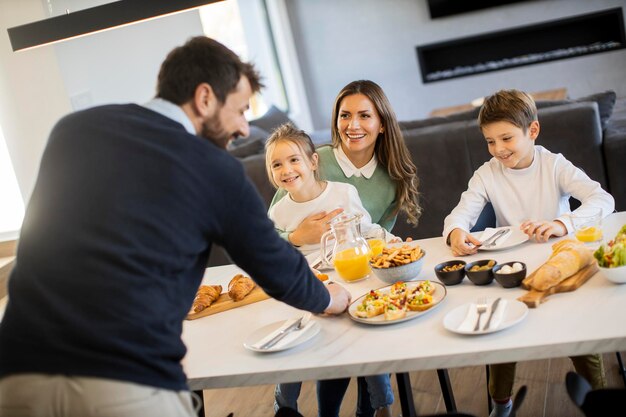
(467, 325)
(488, 232)
(290, 337)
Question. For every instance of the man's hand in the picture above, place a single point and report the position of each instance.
(541, 230)
(463, 243)
(312, 228)
(339, 299)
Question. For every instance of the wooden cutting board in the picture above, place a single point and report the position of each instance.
(225, 303)
(533, 297)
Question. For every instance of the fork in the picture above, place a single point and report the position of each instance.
(481, 307)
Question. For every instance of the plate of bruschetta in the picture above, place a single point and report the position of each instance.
(397, 303)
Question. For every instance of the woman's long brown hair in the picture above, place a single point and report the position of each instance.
(390, 149)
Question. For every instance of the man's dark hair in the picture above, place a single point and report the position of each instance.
(203, 60)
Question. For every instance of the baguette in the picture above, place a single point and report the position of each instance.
(239, 287)
(207, 295)
(568, 257)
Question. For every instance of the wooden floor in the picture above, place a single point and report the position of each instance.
(545, 380)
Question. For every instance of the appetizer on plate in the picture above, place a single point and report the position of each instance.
(395, 309)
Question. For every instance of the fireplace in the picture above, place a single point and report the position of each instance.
(549, 41)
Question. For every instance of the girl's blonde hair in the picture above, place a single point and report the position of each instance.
(390, 149)
(512, 106)
(288, 133)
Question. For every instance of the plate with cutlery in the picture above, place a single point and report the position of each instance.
(283, 334)
(485, 316)
(501, 238)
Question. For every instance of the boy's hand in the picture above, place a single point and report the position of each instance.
(541, 230)
(463, 243)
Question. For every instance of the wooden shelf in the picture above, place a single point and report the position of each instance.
(556, 94)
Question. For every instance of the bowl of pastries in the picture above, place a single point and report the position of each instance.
(398, 262)
(480, 272)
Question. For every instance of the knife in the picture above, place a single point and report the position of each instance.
(279, 336)
(499, 237)
(494, 306)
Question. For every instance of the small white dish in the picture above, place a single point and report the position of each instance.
(516, 237)
(515, 312)
(305, 335)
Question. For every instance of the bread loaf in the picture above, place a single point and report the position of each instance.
(568, 257)
(239, 287)
(207, 295)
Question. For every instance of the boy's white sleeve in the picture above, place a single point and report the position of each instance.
(573, 181)
(471, 204)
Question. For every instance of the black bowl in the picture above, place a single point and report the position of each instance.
(511, 280)
(480, 277)
(450, 277)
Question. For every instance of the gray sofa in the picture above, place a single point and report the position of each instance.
(590, 132)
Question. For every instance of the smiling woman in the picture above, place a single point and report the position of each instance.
(12, 207)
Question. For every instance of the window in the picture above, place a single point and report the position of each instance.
(11, 204)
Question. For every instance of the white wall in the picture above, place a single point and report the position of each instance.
(32, 95)
(341, 41)
(39, 86)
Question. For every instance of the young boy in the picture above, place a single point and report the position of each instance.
(528, 186)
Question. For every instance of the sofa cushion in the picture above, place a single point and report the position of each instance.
(433, 121)
(273, 118)
(605, 100)
(443, 167)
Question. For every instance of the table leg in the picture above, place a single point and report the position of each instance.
(200, 398)
(489, 407)
(446, 389)
(622, 370)
(406, 394)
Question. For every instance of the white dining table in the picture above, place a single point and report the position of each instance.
(588, 320)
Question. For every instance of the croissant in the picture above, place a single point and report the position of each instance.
(207, 294)
(568, 257)
(239, 287)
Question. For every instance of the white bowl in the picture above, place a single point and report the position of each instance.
(616, 275)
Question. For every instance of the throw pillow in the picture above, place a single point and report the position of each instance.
(273, 118)
(605, 100)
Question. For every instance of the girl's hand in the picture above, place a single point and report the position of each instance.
(463, 243)
(312, 228)
(541, 230)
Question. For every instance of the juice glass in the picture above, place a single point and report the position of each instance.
(588, 226)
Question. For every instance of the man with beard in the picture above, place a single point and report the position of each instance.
(128, 201)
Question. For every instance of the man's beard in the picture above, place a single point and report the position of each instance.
(213, 130)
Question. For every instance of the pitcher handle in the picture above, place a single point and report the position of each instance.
(324, 253)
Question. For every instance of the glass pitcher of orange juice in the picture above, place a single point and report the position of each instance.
(350, 252)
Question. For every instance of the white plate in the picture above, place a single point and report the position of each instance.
(438, 296)
(258, 334)
(515, 312)
(517, 237)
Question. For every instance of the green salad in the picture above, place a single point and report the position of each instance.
(613, 254)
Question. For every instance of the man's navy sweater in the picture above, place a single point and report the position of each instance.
(115, 242)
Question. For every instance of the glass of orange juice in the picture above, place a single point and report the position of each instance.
(588, 226)
(376, 238)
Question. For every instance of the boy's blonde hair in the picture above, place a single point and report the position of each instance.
(288, 133)
(512, 106)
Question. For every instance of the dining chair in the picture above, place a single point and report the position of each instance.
(604, 402)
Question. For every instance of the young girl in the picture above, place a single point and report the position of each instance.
(292, 164)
